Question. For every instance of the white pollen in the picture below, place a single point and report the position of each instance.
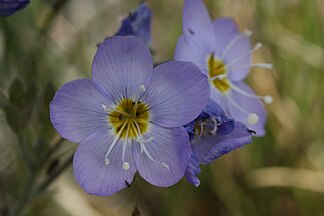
(248, 33)
(142, 88)
(252, 118)
(107, 161)
(165, 165)
(268, 99)
(125, 165)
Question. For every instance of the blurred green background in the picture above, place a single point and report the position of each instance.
(52, 42)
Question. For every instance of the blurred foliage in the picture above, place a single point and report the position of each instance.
(52, 42)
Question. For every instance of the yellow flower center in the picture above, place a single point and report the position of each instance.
(130, 119)
(216, 72)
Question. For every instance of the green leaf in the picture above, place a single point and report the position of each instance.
(3, 100)
(13, 116)
(17, 93)
(48, 95)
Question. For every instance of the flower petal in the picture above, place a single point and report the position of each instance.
(76, 109)
(249, 104)
(233, 46)
(193, 170)
(138, 23)
(208, 148)
(186, 51)
(122, 64)
(197, 25)
(169, 146)
(90, 170)
(177, 94)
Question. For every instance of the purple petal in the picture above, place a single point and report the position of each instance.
(197, 25)
(9, 7)
(122, 64)
(90, 170)
(138, 23)
(76, 109)
(186, 51)
(177, 94)
(193, 170)
(233, 46)
(249, 104)
(208, 148)
(169, 146)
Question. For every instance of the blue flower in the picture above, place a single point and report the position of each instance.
(224, 55)
(129, 117)
(138, 24)
(212, 134)
(9, 7)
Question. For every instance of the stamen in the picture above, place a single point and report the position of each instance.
(221, 76)
(267, 99)
(107, 161)
(151, 158)
(141, 90)
(246, 33)
(202, 129)
(252, 118)
(261, 65)
(213, 132)
(125, 164)
(104, 106)
(238, 58)
(139, 134)
(165, 165)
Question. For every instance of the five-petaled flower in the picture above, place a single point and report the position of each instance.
(129, 117)
(224, 55)
(213, 134)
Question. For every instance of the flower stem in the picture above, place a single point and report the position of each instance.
(52, 176)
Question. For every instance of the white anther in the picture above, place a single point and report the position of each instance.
(104, 106)
(213, 132)
(222, 76)
(125, 165)
(257, 46)
(268, 99)
(247, 33)
(253, 118)
(263, 65)
(165, 165)
(142, 88)
(107, 161)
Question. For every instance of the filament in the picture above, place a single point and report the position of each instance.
(246, 33)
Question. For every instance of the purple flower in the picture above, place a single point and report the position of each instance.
(224, 55)
(212, 135)
(138, 23)
(129, 117)
(9, 7)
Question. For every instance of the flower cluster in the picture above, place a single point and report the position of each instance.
(161, 122)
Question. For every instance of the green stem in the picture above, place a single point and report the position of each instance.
(25, 195)
(25, 152)
(28, 192)
(52, 177)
